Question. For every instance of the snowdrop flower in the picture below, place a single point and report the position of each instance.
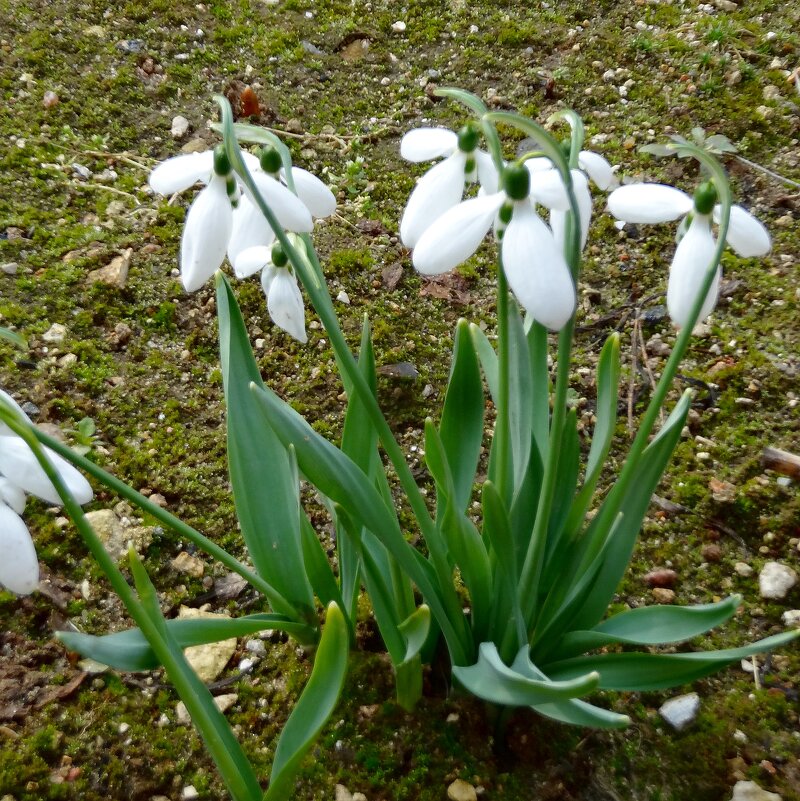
(652, 203)
(442, 187)
(546, 183)
(532, 260)
(284, 301)
(20, 472)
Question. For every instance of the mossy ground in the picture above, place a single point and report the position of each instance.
(121, 72)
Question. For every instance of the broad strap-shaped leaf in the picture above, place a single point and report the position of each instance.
(341, 480)
(415, 630)
(497, 531)
(650, 625)
(222, 745)
(520, 393)
(461, 426)
(643, 672)
(488, 359)
(318, 567)
(491, 679)
(571, 710)
(314, 706)
(264, 490)
(633, 509)
(540, 388)
(130, 650)
(608, 370)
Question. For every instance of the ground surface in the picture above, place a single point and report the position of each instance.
(140, 359)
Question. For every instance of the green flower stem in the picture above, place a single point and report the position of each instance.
(608, 511)
(223, 747)
(162, 515)
(308, 269)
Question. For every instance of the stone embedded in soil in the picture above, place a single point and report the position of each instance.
(662, 595)
(186, 563)
(743, 569)
(342, 793)
(208, 660)
(681, 711)
(661, 578)
(115, 536)
(222, 702)
(791, 618)
(775, 580)
(460, 790)
(750, 791)
(179, 127)
(115, 273)
(55, 333)
(711, 552)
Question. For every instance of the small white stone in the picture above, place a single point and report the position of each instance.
(743, 569)
(399, 26)
(123, 727)
(775, 580)
(679, 712)
(247, 664)
(180, 127)
(190, 793)
(791, 618)
(750, 791)
(740, 736)
(55, 333)
(10, 267)
(256, 647)
(343, 297)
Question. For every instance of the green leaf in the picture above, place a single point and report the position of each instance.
(571, 710)
(14, 338)
(236, 771)
(491, 679)
(540, 388)
(659, 151)
(461, 426)
(318, 568)
(130, 650)
(314, 706)
(497, 530)
(608, 370)
(465, 98)
(651, 625)
(566, 482)
(488, 359)
(265, 491)
(341, 480)
(415, 629)
(520, 393)
(633, 508)
(644, 672)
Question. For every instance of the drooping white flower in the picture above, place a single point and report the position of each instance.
(532, 259)
(653, 203)
(284, 300)
(442, 187)
(20, 472)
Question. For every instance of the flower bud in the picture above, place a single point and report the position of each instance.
(279, 257)
(468, 139)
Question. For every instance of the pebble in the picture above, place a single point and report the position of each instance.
(180, 127)
(775, 580)
(56, 333)
(210, 659)
(247, 664)
(186, 563)
(131, 45)
(662, 595)
(189, 793)
(743, 569)
(341, 793)
(311, 48)
(750, 791)
(399, 26)
(681, 711)
(791, 618)
(10, 267)
(115, 273)
(661, 578)
(256, 647)
(711, 552)
(343, 297)
(50, 99)
(460, 790)
(222, 702)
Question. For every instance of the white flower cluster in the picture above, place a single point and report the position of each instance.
(445, 230)
(21, 473)
(224, 219)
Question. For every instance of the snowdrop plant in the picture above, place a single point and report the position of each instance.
(518, 595)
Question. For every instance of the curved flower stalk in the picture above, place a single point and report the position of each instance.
(652, 203)
(442, 187)
(20, 473)
(532, 259)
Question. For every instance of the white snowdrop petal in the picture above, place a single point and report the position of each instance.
(437, 191)
(181, 172)
(290, 211)
(206, 234)
(547, 188)
(249, 229)
(319, 200)
(267, 275)
(19, 568)
(251, 161)
(558, 219)
(20, 467)
(285, 305)
(423, 144)
(536, 270)
(251, 260)
(487, 172)
(648, 203)
(597, 168)
(538, 164)
(746, 234)
(5, 431)
(13, 495)
(692, 258)
(455, 236)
